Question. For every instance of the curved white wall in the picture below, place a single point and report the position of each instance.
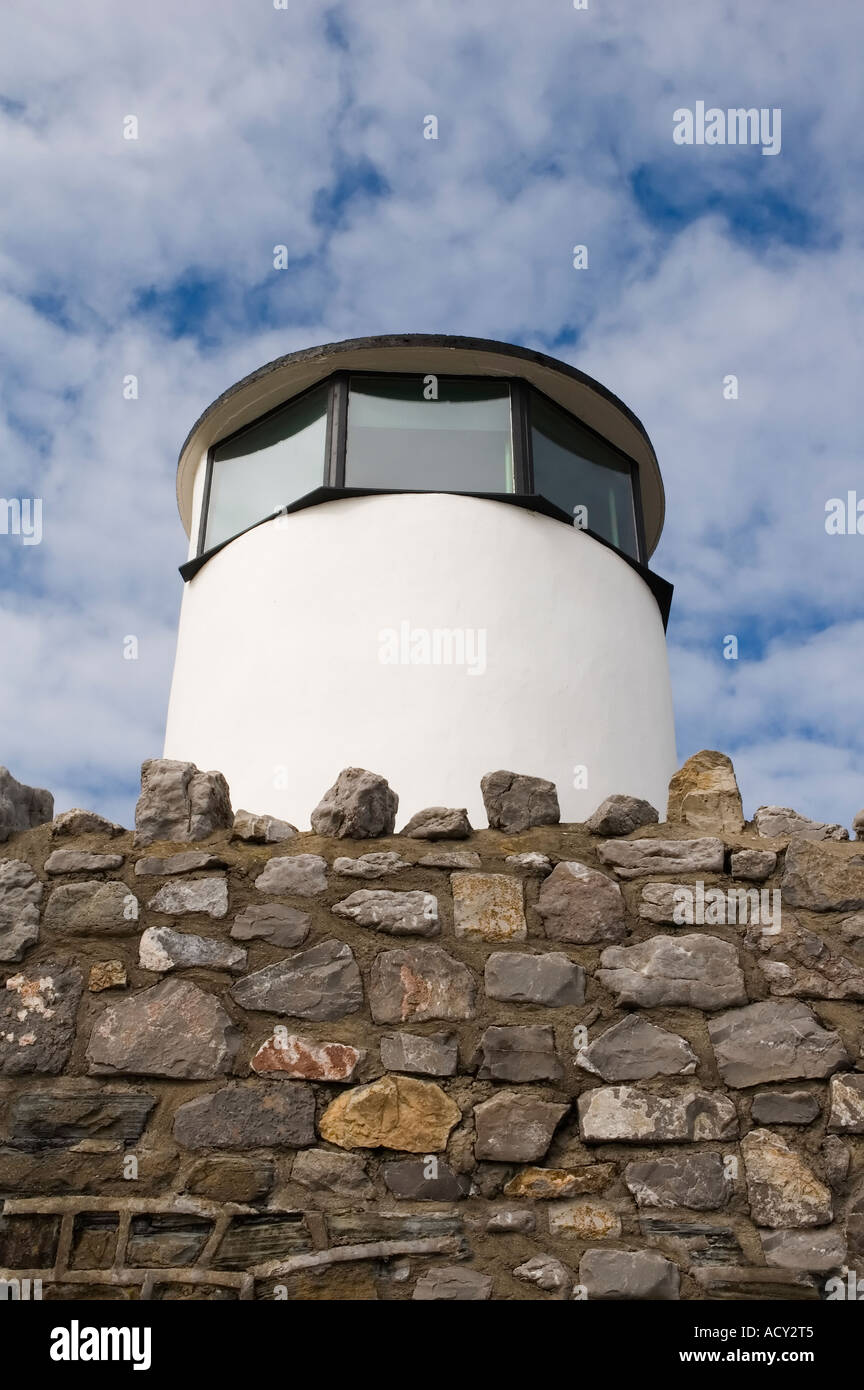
(279, 680)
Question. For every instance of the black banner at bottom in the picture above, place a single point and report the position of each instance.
(64, 1339)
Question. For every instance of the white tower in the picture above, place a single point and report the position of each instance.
(425, 556)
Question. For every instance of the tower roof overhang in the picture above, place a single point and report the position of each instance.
(436, 354)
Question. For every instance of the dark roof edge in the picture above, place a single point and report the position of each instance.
(442, 340)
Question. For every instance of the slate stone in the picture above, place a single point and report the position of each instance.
(737, 1282)
(852, 929)
(187, 862)
(662, 903)
(304, 1059)
(634, 1049)
(163, 1240)
(700, 971)
(107, 974)
(435, 1054)
(510, 1219)
(274, 922)
(515, 1128)
(260, 1115)
(417, 983)
(439, 823)
(551, 979)
(784, 1108)
(519, 1054)
(802, 964)
(359, 806)
(823, 877)
(163, 949)
(529, 863)
(376, 865)
(554, 1184)
(360, 1227)
(320, 983)
(394, 914)
(303, 875)
(635, 858)
(230, 1178)
(261, 1239)
(207, 895)
(696, 1180)
(172, 1029)
(836, 1158)
(780, 822)
(450, 859)
(74, 861)
(37, 1017)
(628, 1274)
(774, 1040)
(847, 1103)
(63, 1116)
(394, 1112)
(453, 1284)
(178, 803)
(326, 1170)
(584, 1220)
(782, 1189)
(581, 905)
(704, 793)
(20, 896)
(621, 815)
(753, 864)
(628, 1115)
(261, 830)
(817, 1250)
(78, 822)
(28, 1241)
(855, 1226)
(546, 1272)
(488, 907)
(92, 908)
(515, 802)
(419, 1180)
(21, 807)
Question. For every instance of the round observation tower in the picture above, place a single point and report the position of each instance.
(426, 556)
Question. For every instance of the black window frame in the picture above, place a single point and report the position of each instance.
(335, 451)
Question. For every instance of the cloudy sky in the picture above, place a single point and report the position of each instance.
(303, 126)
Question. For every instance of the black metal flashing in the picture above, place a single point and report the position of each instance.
(660, 588)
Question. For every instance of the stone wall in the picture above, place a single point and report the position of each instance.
(530, 1061)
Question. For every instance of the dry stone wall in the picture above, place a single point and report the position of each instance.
(602, 1061)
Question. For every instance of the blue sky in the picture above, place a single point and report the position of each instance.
(303, 127)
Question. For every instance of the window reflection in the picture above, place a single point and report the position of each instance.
(268, 465)
(459, 440)
(573, 468)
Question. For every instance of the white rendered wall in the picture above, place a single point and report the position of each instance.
(279, 681)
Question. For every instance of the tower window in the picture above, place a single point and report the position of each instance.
(266, 466)
(575, 469)
(436, 434)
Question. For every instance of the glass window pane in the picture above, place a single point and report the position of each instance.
(574, 468)
(270, 464)
(460, 442)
